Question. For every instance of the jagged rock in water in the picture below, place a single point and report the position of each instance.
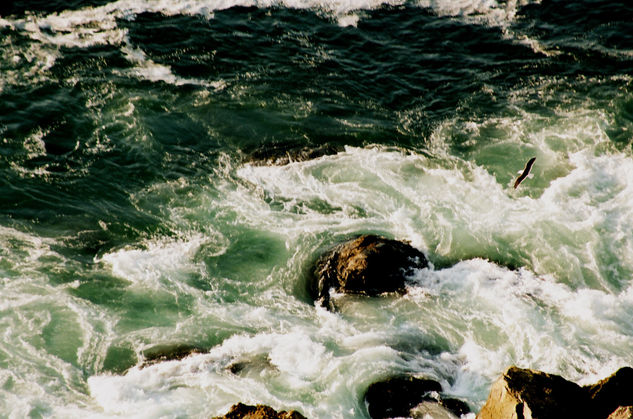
(368, 265)
(243, 411)
(411, 397)
(622, 412)
(612, 392)
(523, 393)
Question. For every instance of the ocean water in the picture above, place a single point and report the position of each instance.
(135, 215)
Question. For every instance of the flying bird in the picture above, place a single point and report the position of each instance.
(526, 172)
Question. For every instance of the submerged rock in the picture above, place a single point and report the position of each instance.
(411, 397)
(282, 154)
(368, 265)
(523, 393)
(257, 366)
(168, 352)
(243, 411)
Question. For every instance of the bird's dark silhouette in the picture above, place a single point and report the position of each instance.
(526, 172)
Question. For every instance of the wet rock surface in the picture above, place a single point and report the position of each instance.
(243, 411)
(367, 265)
(523, 393)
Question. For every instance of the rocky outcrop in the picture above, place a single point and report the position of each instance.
(523, 393)
(411, 397)
(368, 265)
(243, 411)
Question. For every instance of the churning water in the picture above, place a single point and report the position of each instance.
(135, 216)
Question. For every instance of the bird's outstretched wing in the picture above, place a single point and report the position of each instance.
(526, 172)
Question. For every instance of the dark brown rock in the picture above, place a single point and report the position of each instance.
(396, 397)
(368, 265)
(243, 411)
(523, 393)
(614, 391)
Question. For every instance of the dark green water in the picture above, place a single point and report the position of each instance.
(137, 211)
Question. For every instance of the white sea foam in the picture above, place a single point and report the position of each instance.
(438, 207)
(541, 323)
(147, 69)
(492, 11)
(45, 331)
(288, 363)
(318, 369)
(489, 317)
(21, 251)
(158, 264)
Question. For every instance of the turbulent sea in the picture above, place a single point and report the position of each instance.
(140, 210)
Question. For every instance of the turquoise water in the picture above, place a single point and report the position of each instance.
(136, 216)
